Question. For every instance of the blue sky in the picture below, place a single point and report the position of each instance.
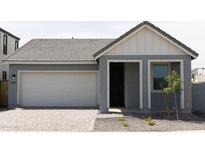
(190, 33)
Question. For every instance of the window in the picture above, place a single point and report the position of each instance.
(16, 45)
(5, 45)
(159, 73)
(4, 76)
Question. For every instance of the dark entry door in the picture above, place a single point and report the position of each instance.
(116, 84)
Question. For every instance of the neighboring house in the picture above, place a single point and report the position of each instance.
(8, 44)
(125, 72)
(198, 75)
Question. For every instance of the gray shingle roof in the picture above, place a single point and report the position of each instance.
(54, 50)
(63, 50)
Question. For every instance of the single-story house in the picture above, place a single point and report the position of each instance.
(125, 72)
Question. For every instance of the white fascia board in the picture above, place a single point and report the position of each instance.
(52, 62)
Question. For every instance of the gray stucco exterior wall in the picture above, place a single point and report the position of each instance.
(198, 97)
(14, 68)
(158, 102)
(131, 86)
(187, 85)
(132, 94)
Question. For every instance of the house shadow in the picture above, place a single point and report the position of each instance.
(4, 108)
(56, 108)
(193, 118)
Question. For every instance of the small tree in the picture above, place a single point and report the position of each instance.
(174, 87)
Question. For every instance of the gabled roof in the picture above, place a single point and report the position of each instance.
(58, 50)
(79, 50)
(191, 52)
(6, 32)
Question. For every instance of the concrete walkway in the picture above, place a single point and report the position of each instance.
(77, 120)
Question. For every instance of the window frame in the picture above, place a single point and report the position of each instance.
(152, 74)
(5, 46)
(16, 45)
(4, 75)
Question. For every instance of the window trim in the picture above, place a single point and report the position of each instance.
(152, 72)
(3, 76)
(182, 69)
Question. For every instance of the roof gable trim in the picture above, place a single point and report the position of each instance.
(8, 33)
(172, 42)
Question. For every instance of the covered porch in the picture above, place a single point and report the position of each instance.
(135, 84)
(125, 84)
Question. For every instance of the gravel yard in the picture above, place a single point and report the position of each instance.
(47, 120)
(82, 120)
(137, 124)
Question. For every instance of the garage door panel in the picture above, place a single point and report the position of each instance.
(58, 89)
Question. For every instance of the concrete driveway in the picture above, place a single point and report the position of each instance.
(79, 120)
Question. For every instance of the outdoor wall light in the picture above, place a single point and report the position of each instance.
(13, 77)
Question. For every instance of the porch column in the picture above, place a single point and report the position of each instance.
(145, 84)
(186, 65)
(102, 93)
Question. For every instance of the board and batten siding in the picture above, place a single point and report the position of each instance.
(145, 42)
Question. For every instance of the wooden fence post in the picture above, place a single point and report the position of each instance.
(4, 93)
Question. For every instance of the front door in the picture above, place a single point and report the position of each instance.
(116, 84)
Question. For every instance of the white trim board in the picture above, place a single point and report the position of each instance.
(51, 71)
(181, 74)
(71, 62)
(108, 78)
(47, 71)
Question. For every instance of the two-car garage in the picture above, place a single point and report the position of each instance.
(57, 88)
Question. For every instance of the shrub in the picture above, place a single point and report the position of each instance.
(123, 121)
(124, 124)
(150, 121)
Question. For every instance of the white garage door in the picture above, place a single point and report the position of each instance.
(58, 88)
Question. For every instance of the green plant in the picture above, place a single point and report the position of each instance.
(124, 124)
(123, 121)
(150, 121)
(147, 119)
(174, 87)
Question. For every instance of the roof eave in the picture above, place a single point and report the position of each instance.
(8, 33)
(12, 61)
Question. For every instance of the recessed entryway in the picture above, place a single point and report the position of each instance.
(124, 84)
(116, 85)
